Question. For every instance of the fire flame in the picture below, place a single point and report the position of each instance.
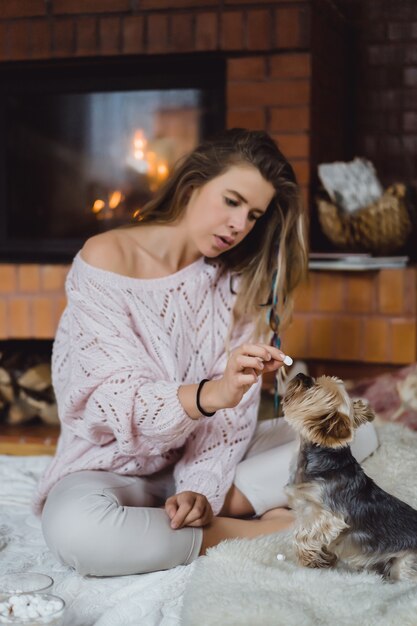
(145, 162)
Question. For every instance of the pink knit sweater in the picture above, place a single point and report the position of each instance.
(122, 349)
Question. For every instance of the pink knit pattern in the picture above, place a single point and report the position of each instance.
(122, 349)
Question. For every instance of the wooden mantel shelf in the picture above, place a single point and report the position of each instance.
(27, 439)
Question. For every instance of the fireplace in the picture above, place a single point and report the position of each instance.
(87, 143)
(278, 66)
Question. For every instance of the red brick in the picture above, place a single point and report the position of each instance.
(410, 76)
(321, 338)
(330, 292)
(232, 31)
(60, 304)
(89, 6)
(290, 120)
(290, 31)
(53, 277)
(3, 320)
(17, 36)
(391, 291)
(376, 340)
(22, 8)
(359, 294)
(158, 34)
(296, 145)
(28, 278)
(182, 32)
(207, 31)
(302, 171)
(133, 34)
(305, 195)
(290, 66)
(253, 119)
(86, 36)
(40, 39)
(305, 294)
(399, 30)
(177, 4)
(3, 51)
(404, 341)
(258, 1)
(19, 319)
(109, 35)
(247, 68)
(258, 30)
(63, 37)
(43, 318)
(410, 121)
(295, 338)
(269, 94)
(347, 339)
(410, 291)
(8, 278)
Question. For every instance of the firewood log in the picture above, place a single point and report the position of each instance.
(6, 385)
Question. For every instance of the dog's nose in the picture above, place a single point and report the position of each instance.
(306, 380)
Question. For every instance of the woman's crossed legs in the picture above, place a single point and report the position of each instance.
(106, 524)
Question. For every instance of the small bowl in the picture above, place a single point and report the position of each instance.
(24, 582)
(51, 619)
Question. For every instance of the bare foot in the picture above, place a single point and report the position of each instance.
(281, 513)
(222, 528)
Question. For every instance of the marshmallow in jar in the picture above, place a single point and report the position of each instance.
(32, 609)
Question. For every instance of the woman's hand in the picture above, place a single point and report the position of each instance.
(244, 366)
(188, 508)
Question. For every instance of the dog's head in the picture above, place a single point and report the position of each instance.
(322, 412)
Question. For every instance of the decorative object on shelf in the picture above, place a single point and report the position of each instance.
(351, 185)
(354, 217)
(26, 390)
(354, 262)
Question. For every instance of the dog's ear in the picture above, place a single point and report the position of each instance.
(362, 413)
(331, 431)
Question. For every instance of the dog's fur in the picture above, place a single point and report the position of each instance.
(340, 512)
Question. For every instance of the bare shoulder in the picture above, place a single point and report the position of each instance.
(107, 251)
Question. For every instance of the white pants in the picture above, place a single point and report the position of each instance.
(106, 524)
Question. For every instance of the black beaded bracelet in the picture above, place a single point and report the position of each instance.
(197, 398)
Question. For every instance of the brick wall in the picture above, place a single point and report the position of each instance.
(31, 300)
(288, 73)
(368, 317)
(386, 85)
(268, 47)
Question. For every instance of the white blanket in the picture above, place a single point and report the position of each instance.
(242, 583)
(147, 599)
(239, 582)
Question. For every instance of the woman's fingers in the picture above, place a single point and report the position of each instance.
(178, 520)
(247, 379)
(171, 510)
(243, 362)
(255, 350)
(197, 514)
(264, 351)
(278, 355)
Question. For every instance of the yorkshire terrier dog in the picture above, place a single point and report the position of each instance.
(340, 512)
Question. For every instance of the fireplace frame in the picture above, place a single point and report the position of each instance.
(88, 75)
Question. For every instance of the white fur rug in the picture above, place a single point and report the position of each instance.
(241, 582)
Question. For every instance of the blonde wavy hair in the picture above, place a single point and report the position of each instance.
(277, 244)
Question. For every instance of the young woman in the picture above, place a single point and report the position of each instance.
(157, 362)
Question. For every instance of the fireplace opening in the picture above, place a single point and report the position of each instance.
(86, 143)
(26, 393)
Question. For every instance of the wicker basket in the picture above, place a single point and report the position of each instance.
(380, 228)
